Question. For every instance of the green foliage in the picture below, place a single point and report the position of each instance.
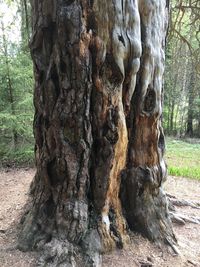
(182, 76)
(183, 157)
(16, 94)
(18, 120)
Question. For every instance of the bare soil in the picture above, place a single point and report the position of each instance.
(14, 185)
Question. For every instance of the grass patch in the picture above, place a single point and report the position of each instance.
(183, 158)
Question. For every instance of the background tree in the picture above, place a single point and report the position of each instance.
(16, 83)
(182, 70)
(98, 69)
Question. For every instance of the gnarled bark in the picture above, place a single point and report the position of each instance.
(98, 99)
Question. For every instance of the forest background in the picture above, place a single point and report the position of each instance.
(181, 113)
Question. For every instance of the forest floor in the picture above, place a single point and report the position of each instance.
(14, 185)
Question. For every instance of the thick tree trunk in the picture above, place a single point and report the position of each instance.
(98, 71)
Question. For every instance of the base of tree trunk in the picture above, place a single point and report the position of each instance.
(56, 247)
(78, 236)
(146, 206)
(71, 233)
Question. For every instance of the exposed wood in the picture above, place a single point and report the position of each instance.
(98, 102)
(182, 219)
(143, 199)
(179, 218)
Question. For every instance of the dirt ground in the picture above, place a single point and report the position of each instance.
(14, 185)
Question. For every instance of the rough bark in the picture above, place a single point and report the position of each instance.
(98, 99)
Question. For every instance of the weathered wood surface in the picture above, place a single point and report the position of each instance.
(99, 142)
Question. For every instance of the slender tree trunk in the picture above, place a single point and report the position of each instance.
(191, 97)
(198, 120)
(11, 100)
(26, 18)
(172, 108)
(9, 84)
(168, 115)
(176, 119)
(198, 127)
(172, 116)
(99, 142)
(25, 21)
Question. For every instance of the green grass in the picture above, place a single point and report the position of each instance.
(183, 158)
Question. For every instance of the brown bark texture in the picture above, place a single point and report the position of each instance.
(98, 69)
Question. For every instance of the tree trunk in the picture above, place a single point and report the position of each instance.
(191, 97)
(172, 116)
(198, 120)
(9, 84)
(25, 21)
(99, 142)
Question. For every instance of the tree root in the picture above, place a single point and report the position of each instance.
(180, 218)
(173, 246)
(182, 203)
